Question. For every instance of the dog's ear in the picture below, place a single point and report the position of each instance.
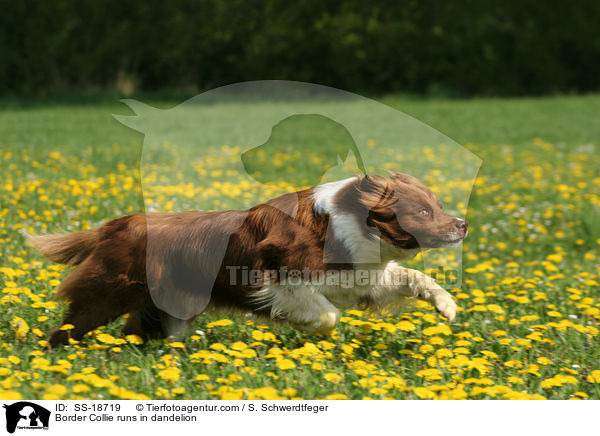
(371, 183)
(404, 178)
(376, 192)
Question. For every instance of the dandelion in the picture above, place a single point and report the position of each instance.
(80, 387)
(332, 377)
(290, 392)
(424, 393)
(286, 364)
(171, 374)
(239, 346)
(134, 339)
(106, 338)
(405, 326)
(515, 380)
(20, 327)
(336, 397)
(219, 323)
(56, 390)
(594, 376)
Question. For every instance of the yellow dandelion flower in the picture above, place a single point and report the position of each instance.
(594, 376)
(336, 397)
(134, 339)
(424, 393)
(57, 390)
(20, 327)
(289, 392)
(80, 387)
(10, 395)
(171, 374)
(239, 346)
(424, 349)
(332, 377)
(105, 338)
(286, 364)
(436, 340)
(219, 323)
(405, 326)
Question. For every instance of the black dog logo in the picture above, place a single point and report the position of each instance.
(26, 415)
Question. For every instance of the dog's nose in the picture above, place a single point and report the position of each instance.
(462, 225)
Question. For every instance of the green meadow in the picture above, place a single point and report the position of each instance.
(529, 297)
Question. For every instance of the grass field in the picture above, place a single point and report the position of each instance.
(530, 298)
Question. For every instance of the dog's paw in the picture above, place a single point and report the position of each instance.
(326, 322)
(444, 304)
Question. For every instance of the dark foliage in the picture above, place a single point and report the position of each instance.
(460, 47)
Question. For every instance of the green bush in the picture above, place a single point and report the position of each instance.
(463, 47)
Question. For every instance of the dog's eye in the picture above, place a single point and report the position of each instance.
(424, 212)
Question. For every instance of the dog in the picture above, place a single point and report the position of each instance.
(360, 227)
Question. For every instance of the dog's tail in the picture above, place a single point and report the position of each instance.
(70, 249)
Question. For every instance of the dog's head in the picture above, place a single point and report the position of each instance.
(406, 214)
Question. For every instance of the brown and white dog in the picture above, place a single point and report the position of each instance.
(135, 263)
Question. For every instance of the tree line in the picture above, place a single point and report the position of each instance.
(458, 47)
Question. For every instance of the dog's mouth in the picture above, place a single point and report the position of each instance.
(424, 241)
(450, 241)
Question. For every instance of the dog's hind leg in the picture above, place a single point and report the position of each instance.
(145, 323)
(94, 302)
(150, 323)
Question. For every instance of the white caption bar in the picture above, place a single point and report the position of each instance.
(462, 418)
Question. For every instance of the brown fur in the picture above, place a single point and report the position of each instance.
(393, 207)
(70, 249)
(115, 263)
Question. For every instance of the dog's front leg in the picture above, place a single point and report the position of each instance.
(412, 283)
